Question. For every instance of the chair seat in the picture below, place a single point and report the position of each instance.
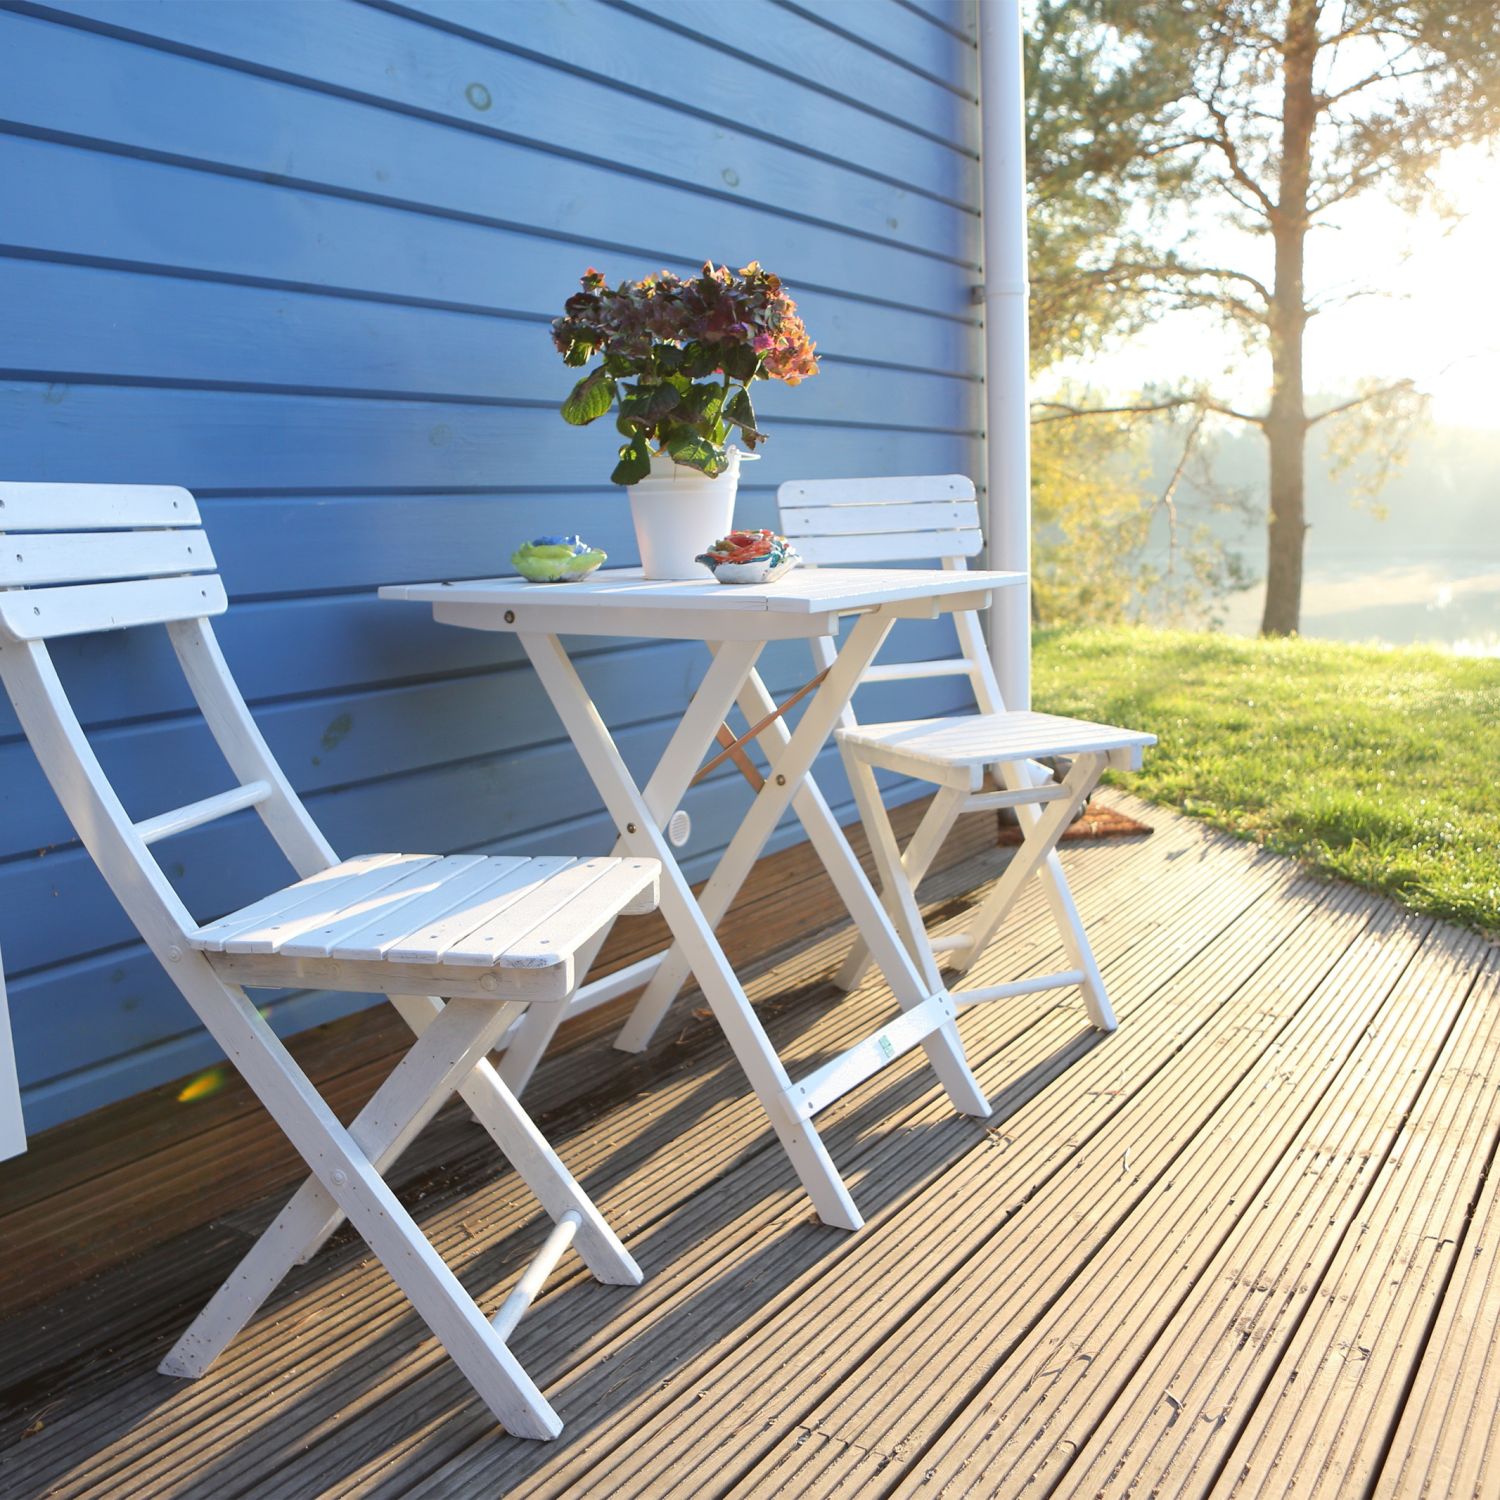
(484, 925)
(936, 749)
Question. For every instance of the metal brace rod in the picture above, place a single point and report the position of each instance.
(733, 749)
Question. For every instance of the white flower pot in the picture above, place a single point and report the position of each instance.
(679, 513)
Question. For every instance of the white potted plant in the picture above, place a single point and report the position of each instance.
(678, 357)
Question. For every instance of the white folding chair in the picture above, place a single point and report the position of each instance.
(923, 516)
(491, 935)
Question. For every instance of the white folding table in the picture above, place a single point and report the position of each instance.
(735, 623)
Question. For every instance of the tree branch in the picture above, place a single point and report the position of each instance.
(1176, 268)
(1379, 391)
(1062, 411)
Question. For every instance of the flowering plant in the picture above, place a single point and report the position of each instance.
(679, 356)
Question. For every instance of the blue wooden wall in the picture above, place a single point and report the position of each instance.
(300, 256)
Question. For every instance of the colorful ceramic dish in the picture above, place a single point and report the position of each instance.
(556, 559)
(750, 557)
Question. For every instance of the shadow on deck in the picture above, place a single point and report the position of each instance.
(1249, 1237)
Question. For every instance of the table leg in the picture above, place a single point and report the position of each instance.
(913, 976)
(721, 989)
(711, 702)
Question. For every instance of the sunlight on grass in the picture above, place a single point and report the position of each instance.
(1375, 764)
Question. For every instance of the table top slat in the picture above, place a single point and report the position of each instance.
(805, 591)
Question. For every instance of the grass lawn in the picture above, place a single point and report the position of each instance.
(1378, 765)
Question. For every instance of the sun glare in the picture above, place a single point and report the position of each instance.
(1434, 315)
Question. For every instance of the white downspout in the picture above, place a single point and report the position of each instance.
(1002, 101)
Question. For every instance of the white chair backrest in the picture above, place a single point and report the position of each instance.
(77, 559)
(881, 520)
(901, 518)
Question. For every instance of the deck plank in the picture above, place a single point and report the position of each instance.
(129, 1176)
(704, 1104)
(1273, 1162)
(1447, 1438)
(611, 1455)
(1066, 1182)
(1197, 1267)
(1328, 1408)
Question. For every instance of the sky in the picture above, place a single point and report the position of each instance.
(1439, 323)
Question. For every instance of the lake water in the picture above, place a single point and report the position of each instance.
(1445, 598)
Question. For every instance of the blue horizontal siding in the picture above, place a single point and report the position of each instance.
(300, 258)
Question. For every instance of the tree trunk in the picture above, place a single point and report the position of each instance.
(1286, 421)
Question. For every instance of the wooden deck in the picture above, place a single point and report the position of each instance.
(1248, 1245)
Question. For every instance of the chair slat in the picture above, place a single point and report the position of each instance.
(213, 936)
(101, 556)
(331, 938)
(847, 520)
(93, 507)
(564, 932)
(206, 810)
(326, 901)
(908, 488)
(491, 943)
(900, 546)
(430, 942)
(419, 914)
(80, 609)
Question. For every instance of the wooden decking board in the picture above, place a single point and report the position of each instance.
(881, 1165)
(1051, 1235)
(702, 1260)
(870, 1257)
(731, 1084)
(77, 1177)
(1328, 1409)
(710, 1374)
(1448, 1438)
(82, 1310)
(1219, 1349)
(1020, 1428)
(914, 1327)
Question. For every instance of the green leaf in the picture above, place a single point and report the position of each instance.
(589, 399)
(634, 464)
(740, 362)
(701, 360)
(650, 403)
(700, 406)
(697, 452)
(737, 409)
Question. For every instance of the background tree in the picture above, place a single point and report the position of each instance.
(1281, 112)
(1098, 185)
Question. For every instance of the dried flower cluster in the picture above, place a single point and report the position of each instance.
(679, 356)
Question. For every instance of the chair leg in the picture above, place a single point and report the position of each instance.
(496, 1108)
(346, 1174)
(534, 1033)
(944, 1049)
(1064, 911)
(1040, 840)
(1076, 943)
(399, 1109)
(921, 849)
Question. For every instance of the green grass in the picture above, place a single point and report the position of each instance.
(1379, 765)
